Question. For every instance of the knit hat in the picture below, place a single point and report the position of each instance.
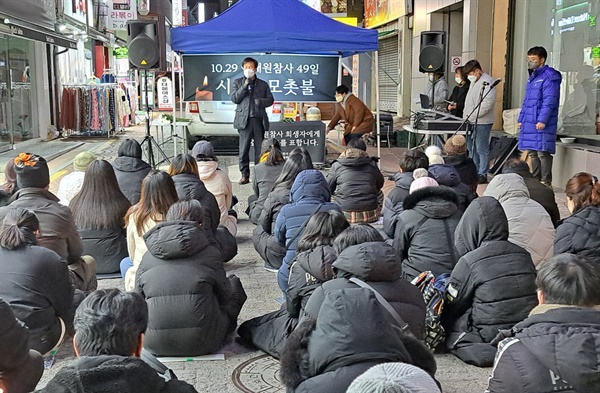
(456, 146)
(422, 182)
(393, 378)
(83, 160)
(434, 154)
(203, 149)
(32, 171)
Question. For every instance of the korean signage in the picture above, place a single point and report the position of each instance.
(378, 12)
(295, 78)
(177, 12)
(164, 93)
(330, 7)
(119, 12)
(307, 134)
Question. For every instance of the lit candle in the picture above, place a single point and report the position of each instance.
(204, 95)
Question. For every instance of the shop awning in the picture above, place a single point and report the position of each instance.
(40, 35)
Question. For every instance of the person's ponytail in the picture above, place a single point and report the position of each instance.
(275, 155)
(18, 228)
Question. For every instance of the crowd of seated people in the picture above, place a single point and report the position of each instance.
(517, 293)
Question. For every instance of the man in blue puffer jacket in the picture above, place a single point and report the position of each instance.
(539, 114)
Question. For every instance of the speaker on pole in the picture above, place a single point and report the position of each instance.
(432, 55)
(142, 40)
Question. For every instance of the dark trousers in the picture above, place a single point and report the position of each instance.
(541, 166)
(254, 130)
(349, 137)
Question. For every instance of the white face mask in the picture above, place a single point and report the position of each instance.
(458, 80)
(472, 78)
(339, 98)
(430, 76)
(249, 72)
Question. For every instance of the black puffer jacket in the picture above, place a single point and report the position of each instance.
(36, 284)
(447, 175)
(392, 206)
(107, 246)
(357, 333)
(262, 183)
(424, 236)
(492, 286)
(191, 303)
(355, 181)
(378, 265)
(130, 172)
(466, 169)
(189, 186)
(262, 237)
(554, 350)
(580, 234)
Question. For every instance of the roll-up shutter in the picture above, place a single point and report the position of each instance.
(388, 73)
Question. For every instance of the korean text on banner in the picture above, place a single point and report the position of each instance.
(119, 12)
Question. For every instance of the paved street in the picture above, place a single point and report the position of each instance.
(243, 369)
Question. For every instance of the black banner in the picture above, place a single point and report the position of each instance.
(307, 134)
(38, 12)
(43, 37)
(292, 78)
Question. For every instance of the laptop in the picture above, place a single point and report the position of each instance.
(424, 101)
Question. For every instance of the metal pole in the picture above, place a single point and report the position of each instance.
(377, 123)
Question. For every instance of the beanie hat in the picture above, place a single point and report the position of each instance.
(422, 182)
(456, 146)
(434, 154)
(420, 172)
(32, 171)
(83, 160)
(203, 149)
(394, 378)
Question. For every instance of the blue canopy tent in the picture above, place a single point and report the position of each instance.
(276, 26)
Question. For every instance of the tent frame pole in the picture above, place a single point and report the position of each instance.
(377, 123)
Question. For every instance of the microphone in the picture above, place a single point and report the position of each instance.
(486, 83)
(496, 83)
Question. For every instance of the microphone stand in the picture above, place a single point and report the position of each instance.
(481, 96)
(477, 108)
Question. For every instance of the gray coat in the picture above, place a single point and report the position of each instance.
(244, 98)
(262, 183)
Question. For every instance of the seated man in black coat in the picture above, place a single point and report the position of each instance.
(557, 348)
(109, 335)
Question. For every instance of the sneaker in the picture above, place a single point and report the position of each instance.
(270, 268)
(482, 179)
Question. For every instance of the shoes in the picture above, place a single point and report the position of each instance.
(482, 179)
(270, 268)
(549, 185)
(244, 180)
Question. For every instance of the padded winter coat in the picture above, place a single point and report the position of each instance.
(529, 224)
(447, 175)
(262, 184)
(540, 105)
(35, 282)
(309, 194)
(424, 236)
(392, 206)
(467, 171)
(357, 333)
(192, 305)
(107, 246)
(492, 286)
(130, 172)
(189, 186)
(556, 349)
(357, 116)
(539, 193)
(217, 182)
(580, 233)
(377, 264)
(262, 237)
(310, 269)
(355, 181)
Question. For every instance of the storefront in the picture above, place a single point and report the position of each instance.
(570, 32)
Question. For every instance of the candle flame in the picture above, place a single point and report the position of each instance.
(205, 81)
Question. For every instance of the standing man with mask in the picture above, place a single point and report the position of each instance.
(478, 143)
(252, 96)
(539, 114)
(358, 118)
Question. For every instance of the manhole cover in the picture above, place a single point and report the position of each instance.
(259, 374)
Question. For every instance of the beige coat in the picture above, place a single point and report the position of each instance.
(217, 183)
(136, 246)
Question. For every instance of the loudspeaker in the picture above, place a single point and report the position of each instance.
(142, 40)
(433, 51)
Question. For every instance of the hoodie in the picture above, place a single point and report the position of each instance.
(130, 172)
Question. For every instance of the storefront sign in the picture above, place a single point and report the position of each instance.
(177, 12)
(43, 37)
(307, 134)
(38, 12)
(295, 78)
(119, 12)
(379, 12)
(78, 9)
(164, 89)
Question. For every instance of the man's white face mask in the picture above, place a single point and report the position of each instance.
(339, 97)
(249, 72)
(472, 78)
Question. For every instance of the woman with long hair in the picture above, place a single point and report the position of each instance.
(262, 237)
(34, 281)
(98, 210)
(265, 174)
(157, 196)
(580, 233)
(309, 270)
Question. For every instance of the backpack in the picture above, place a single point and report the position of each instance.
(433, 290)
